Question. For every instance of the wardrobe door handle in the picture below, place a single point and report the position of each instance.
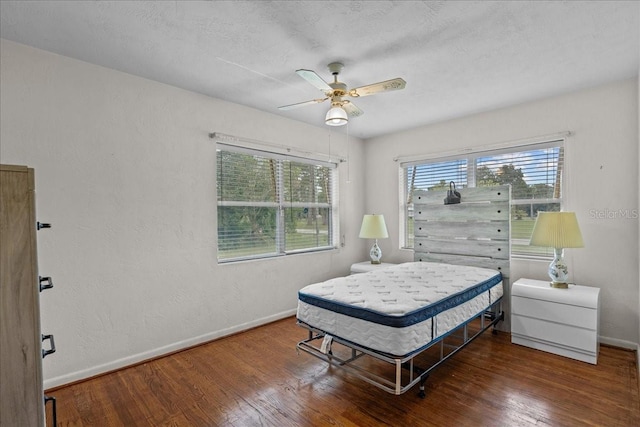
(41, 225)
(45, 283)
(52, 349)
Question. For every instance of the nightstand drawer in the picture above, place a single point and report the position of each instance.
(554, 312)
(554, 333)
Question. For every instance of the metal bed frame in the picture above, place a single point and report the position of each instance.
(474, 232)
(406, 373)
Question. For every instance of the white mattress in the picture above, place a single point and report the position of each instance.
(402, 308)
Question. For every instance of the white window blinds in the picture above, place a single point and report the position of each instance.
(271, 204)
(533, 171)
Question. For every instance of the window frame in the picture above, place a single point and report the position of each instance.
(280, 204)
(471, 157)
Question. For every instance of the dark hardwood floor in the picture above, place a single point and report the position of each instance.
(256, 378)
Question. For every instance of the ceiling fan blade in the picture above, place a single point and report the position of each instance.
(302, 104)
(314, 79)
(386, 86)
(352, 110)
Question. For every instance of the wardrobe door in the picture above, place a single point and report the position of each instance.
(21, 387)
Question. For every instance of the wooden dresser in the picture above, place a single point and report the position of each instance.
(21, 353)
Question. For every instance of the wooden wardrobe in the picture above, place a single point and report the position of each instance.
(21, 353)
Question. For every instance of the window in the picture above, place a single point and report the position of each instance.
(534, 172)
(271, 204)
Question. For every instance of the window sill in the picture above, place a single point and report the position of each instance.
(278, 256)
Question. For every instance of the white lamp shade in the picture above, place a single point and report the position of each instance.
(373, 227)
(336, 116)
(557, 230)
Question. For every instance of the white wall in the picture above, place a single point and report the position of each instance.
(125, 173)
(601, 176)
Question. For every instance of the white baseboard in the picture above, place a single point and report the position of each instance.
(615, 342)
(624, 344)
(137, 358)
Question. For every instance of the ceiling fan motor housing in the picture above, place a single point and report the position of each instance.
(339, 89)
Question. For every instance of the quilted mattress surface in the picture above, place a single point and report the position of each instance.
(401, 308)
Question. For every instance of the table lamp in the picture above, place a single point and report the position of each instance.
(557, 230)
(374, 227)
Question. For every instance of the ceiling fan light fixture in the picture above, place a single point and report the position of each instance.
(336, 116)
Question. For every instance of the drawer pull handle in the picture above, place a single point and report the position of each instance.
(45, 283)
(52, 349)
(41, 225)
(52, 399)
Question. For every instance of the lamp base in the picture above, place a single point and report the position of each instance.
(559, 285)
(558, 271)
(375, 254)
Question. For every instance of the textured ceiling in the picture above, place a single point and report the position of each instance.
(458, 58)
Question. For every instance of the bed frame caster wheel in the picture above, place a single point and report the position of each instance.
(423, 380)
(421, 393)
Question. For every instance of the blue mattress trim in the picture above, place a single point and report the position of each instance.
(411, 318)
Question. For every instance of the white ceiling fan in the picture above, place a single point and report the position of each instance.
(342, 109)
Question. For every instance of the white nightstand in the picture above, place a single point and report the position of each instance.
(363, 267)
(560, 321)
